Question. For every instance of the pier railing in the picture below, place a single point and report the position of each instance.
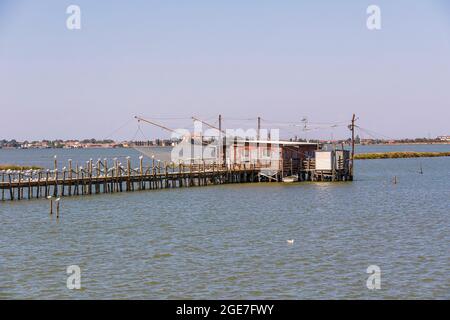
(98, 177)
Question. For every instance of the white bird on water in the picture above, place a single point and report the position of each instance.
(291, 241)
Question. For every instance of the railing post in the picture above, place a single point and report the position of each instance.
(141, 172)
(129, 174)
(70, 177)
(105, 175)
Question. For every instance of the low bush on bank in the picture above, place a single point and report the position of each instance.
(17, 167)
(394, 155)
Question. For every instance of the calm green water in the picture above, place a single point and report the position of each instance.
(230, 241)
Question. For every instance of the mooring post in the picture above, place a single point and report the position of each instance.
(51, 203)
(129, 174)
(352, 155)
(46, 182)
(18, 186)
(30, 190)
(105, 175)
(64, 181)
(97, 176)
(3, 181)
(57, 207)
(141, 172)
(205, 179)
(38, 188)
(11, 191)
(166, 164)
(77, 183)
(70, 177)
(55, 176)
(89, 167)
(180, 175)
(120, 176)
(153, 174)
(190, 174)
(114, 175)
(160, 185)
(55, 187)
(83, 186)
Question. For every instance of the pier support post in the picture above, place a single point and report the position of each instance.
(70, 177)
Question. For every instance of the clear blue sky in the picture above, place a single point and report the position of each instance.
(281, 60)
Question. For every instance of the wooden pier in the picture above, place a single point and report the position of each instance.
(96, 178)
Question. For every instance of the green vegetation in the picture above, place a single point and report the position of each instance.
(405, 154)
(17, 167)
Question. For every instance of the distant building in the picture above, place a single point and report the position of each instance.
(72, 144)
(444, 138)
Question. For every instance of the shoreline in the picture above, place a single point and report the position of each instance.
(399, 155)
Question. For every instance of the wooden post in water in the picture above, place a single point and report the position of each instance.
(352, 128)
(90, 171)
(55, 186)
(18, 186)
(128, 187)
(114, 176)
(141, 172)
(11, 191)
(205, 182)
(63, 182)
(57, 207)
(180, 174)
(152, 182)
(166, 174)
(77, 190)
(97, 177)
(160, 175)
(105, 175)
(70, 177)
(83, 184)
(119, 176)
(38, 188)
(30, 190)
(46, 182)
(3, 181)
(190, 175)
(51, 204)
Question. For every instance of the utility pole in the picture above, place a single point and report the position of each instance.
(352, 128)
(258, 132)
(258, 136)
(220, 145)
